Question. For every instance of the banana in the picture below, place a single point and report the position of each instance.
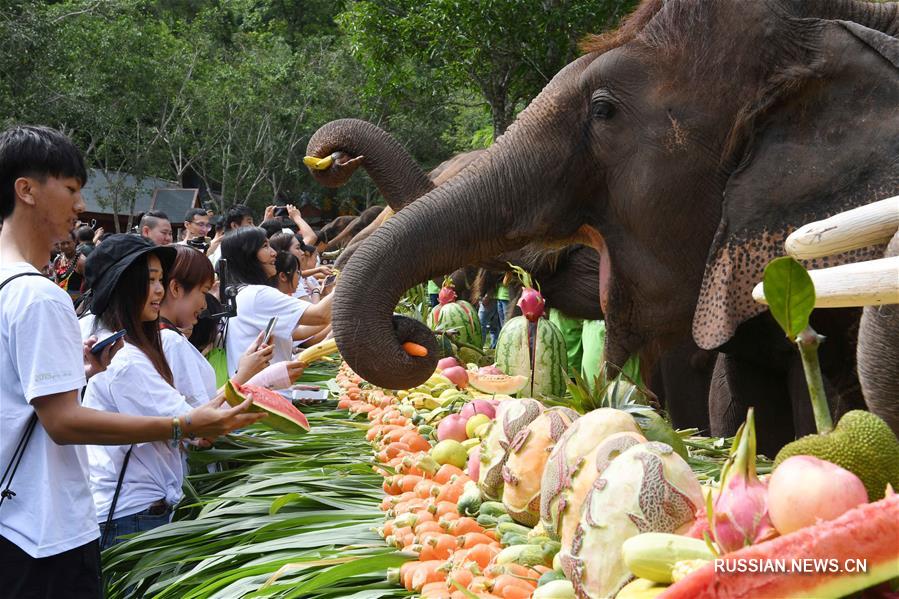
(640, 588)
(318, 164)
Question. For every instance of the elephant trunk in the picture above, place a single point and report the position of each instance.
(880, 16)
(399, 179)
(506, 199)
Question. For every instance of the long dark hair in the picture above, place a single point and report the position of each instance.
(285, 263)
(239, 248)
(124, 310)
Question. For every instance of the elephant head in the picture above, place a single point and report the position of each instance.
(684, 147)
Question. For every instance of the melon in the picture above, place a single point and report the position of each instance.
(647, 488)
(496, 383)
(867, 534)
(282, 415)
(535, 350)
(528, 453)
(458, 315)
(512, 416)
(573, 456)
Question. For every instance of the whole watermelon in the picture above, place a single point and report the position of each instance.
(458, 315)
(536, 350)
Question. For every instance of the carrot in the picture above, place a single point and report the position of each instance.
(415, 441)
(427, 572)
(463, 525)
(503, 582)
(424, 527)
(447, 510)
(445, 472)
(438, 546)
(481, 554)
(461, 576)
(511, 592)
(469, 540)
(435, 590)
(394, 435)
(451, 492)
(406, 571)
(415, 350)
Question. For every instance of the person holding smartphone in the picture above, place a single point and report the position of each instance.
(251, 268)
(48, 527)
(127, 275)
(188, 282)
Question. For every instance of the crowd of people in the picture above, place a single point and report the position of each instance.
(114, 349)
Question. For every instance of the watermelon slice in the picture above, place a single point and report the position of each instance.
(282, 415)
(867, 534)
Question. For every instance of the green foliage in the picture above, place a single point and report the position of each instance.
(505, 49)
(790, 294)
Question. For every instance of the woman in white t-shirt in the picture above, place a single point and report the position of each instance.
(189, 280)
(138, 381)
(250, 268)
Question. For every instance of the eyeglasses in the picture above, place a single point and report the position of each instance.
(203, 225)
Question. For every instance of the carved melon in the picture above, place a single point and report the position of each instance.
(528, 453)
(572, 455)
(512, 415)
(648, 488)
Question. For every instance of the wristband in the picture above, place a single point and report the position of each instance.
(188, 424)
(176, 429)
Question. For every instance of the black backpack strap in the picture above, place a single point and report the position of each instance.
(115, 497)
(19, 452)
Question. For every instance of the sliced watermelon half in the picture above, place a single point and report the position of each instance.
(282, 415)
(868, 534)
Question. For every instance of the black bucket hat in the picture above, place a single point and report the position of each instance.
(105, 265)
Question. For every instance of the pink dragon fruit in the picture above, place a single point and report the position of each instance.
(447, 294)
(740, 513)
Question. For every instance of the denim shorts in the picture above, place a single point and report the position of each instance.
(134, 523)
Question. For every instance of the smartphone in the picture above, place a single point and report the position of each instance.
(329, 280)
(99, 346)
(269, 329)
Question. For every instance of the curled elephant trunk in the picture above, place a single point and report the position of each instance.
(432, 237)
(399, 178)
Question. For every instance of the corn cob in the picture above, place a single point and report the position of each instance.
(652, 555)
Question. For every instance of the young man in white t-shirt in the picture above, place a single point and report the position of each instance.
(48, 527)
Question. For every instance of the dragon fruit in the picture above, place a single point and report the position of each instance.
(647, 488)
(452, 314)
(527, 455)
(740, 513)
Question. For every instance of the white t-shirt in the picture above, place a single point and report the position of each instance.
(131, 385)
(194, 376)
(256, 304)
(305, 287)
(41, 354)
(91, 326)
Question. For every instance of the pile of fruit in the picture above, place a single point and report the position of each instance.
(502, 497)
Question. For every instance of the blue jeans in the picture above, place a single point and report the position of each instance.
(501, 307)
(433, 299)
(126, 525)
(489, 319)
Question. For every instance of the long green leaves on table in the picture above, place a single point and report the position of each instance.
(286, 517)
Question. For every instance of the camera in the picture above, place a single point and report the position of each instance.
(199, 243)
(280, 211)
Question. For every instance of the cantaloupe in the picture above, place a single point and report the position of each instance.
(512, 415)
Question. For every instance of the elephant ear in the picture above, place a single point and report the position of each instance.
(823, 138)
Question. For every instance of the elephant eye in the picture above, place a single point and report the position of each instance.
(602, 109)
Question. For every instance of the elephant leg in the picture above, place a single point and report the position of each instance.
(878, 362)
(744, 385)
(681, 380)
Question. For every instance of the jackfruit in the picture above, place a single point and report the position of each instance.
(862, 443)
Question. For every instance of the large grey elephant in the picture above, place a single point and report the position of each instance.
(684, 147)
(569, 276)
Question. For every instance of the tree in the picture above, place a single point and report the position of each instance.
(507, 49)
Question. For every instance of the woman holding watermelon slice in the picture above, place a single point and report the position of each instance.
(134, 488)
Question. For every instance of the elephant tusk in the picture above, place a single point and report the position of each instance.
(387, 213)
(318, 164)
(870, 283)
(860, 227)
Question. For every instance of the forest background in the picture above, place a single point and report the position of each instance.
(228, 92)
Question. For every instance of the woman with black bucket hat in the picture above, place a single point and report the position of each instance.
(48, 526)
(136, 487)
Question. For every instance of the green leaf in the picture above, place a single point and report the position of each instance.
(281, 501)
(790, 294)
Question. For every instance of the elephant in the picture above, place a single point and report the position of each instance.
(355, 226)
(568, 277)
(684, 147)
(878, 355)
(333, 229)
